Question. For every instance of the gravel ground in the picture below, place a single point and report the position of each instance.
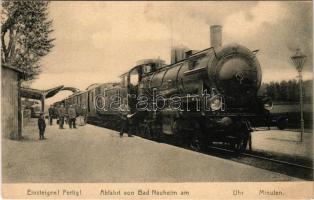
(93, 154)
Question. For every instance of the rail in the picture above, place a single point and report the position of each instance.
(265, 158)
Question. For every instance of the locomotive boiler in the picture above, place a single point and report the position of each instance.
(231, 71)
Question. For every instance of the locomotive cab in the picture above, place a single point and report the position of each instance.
(137, 78)
(149, 66)
(134, 79)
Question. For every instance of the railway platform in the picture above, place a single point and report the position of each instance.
(93, 154)
(284, 143)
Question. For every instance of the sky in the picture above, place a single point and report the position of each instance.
(98, 41)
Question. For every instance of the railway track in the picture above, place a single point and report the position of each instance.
(268, 159)
(300, 169)
(284, 165)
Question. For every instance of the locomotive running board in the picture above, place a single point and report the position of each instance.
(194, 71)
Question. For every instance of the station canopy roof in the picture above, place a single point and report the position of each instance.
(38, 94)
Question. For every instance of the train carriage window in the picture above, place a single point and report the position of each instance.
(134, 78)
(99, 102)
(98, 90)
(88, 102)
(122, 80)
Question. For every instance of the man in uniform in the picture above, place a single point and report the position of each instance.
(41, 126)
(72, 116)
(51, 114)
(61, 114)
(84, 115)
(124, 110)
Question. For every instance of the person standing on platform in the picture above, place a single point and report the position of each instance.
(66, 116)
(124, 110)
(83, 116)
(41, 126)
(61, 114)
(72, 116)
(51, 114)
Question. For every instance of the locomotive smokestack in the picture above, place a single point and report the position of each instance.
(215, 36)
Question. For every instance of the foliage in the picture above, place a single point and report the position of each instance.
(287, 91)
(25, 34)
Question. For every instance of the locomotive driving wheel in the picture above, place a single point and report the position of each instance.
(199, 143)
(148, 132)
(240, 143)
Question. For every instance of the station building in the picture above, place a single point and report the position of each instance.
(11, 105)
(10, 80)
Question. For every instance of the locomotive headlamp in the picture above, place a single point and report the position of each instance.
(268, 103)
(215, 103)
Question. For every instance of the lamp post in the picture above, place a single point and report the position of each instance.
(298, 60)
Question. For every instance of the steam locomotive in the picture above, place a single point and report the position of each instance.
(201, 97)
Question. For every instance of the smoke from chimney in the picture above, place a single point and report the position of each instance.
(215, 36)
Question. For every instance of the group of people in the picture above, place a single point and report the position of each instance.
(65, 115)
(62, 115)
(70, 115)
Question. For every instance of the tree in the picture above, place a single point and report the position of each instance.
(25, 34)
(293, 91)
(283, 91)
(270, 90)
